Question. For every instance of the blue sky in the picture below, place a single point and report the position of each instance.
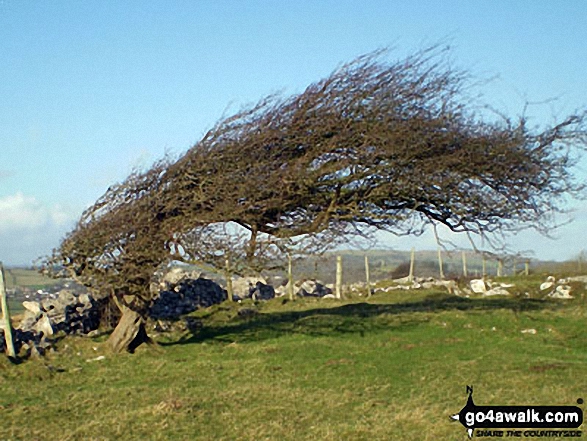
(89, 89)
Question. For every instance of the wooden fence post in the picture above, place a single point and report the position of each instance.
(229, 290)
(6, 316)
(440, 263)
(484, 263)
(290, 282)
(499, 267)
(526, 268)
(464, 264)
(367, 278)
(412, 260)
(338, 277)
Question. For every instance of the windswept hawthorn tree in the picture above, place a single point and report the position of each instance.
(376, 145)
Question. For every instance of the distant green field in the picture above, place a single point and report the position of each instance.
(25, 277)
(393, 367)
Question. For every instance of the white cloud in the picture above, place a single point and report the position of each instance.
(29, 228)
(20, 212)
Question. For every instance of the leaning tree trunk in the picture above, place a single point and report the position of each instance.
(130, 331)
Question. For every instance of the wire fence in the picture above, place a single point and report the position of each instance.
(380, 265)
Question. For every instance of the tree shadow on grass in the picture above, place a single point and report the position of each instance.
(352, 318)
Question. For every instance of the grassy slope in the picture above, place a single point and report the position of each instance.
(395, 367)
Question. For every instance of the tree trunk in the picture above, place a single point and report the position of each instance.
(129, 333)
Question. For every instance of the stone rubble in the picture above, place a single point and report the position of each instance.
(422, 283)
(561, 292)
(478, 286)
(548, 284)
(168, 278)
(307, 288)
(313, 288)
(558, 289)
(256, 288)
(67, 312)
(261, 291)
(185, 297)
(489, 288)
(27, 340)
(582, 279)
(243, 286)
(70, 313)
(177, 275)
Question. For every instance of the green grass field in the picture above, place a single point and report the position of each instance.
(25, 277)
(394, 367)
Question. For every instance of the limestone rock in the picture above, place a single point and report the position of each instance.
(478, 286)
(33, 307)
(244, 286)
(561, 292)
(68, 313)
(582, 279)
(262, 291)
(548, 284)
(43, 325)
(66, 297)
(312, 288)
(496, 291)
(165, 279)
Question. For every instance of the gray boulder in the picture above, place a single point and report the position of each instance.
(262, 291)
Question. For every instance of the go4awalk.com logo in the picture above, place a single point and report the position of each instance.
(506, 421)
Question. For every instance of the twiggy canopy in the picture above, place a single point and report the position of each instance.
(392, 146)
